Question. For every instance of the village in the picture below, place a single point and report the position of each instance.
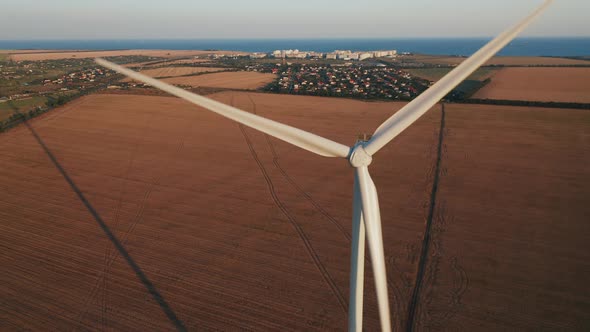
(341, 73)
(366, 81)
(28, 85)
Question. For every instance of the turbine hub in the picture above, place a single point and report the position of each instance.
(359, 156)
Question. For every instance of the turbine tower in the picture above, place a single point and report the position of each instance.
(366, 214)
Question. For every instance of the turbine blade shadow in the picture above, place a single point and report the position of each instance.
(150, 287)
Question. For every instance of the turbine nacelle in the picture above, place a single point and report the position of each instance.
(359, 157)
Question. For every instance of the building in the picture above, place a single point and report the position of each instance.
(257, 55)
(364, 56)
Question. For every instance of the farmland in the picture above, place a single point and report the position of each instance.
(495, 61)
(7, 108)
(188, 61)
(539, 84)
(233, 80)
(179, 71)
(511, 236)
(54, 55)
(204, 224)
(246, 238)
(435, 74)
(535, 61)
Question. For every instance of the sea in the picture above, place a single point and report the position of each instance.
(562, 46)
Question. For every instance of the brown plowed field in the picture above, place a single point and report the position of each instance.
(189, 61)
(214, 226)
(53, 55)
(499, 60)
(539, 84)
(512, 249)
(435, 74)
(32, 51)
(153, 63)
(177, 71)
(157, 63)
(234, 229)
(231, 80)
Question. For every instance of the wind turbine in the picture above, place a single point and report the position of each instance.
(366, 213)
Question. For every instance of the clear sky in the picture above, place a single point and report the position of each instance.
(194, 19)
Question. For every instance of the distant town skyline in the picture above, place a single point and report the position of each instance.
(150, 19)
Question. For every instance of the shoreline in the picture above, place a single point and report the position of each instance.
(465, 46)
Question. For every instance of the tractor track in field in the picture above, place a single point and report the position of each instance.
(316, 205)
(432, 313)
(398, 296)
(102, 283)
(460, 286)
(141, 276)
(310, 250)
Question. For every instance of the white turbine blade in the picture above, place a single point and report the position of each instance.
(297, 137)
(415, 109)
(372, 219)
(357, 263)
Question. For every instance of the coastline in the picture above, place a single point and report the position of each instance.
(529, 46)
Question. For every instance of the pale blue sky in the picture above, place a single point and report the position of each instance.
(124, 19)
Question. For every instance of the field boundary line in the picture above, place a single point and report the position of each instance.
(427, 232)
